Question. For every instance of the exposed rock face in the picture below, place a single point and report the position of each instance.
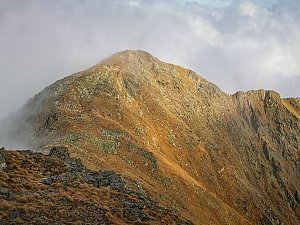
(213, 158)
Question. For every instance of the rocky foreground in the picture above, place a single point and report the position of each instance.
(58, 189)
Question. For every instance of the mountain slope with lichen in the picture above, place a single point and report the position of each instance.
(213, 158)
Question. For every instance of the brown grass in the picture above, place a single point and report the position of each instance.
(6, 205)
(28, 198)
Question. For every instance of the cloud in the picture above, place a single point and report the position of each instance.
(248, 8)
(240, 45)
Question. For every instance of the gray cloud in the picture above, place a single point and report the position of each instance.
(239, 47)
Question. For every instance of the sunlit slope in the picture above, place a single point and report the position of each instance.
(212, 157)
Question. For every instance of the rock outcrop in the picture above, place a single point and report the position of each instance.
(45, 189)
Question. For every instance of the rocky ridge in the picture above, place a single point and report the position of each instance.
(58, 189)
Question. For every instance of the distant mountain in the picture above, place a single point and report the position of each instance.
(211, 157)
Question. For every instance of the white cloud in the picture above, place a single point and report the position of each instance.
(248, 8)
(239, 47)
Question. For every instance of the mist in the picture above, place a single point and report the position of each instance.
(238, 45)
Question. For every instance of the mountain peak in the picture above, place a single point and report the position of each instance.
(174, 133)
(134, 54)
(129, 57)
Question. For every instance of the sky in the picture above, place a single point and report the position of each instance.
(236, 44)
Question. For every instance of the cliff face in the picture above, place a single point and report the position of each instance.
(213, 158)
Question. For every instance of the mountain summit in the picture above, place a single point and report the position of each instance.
(211, 157)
